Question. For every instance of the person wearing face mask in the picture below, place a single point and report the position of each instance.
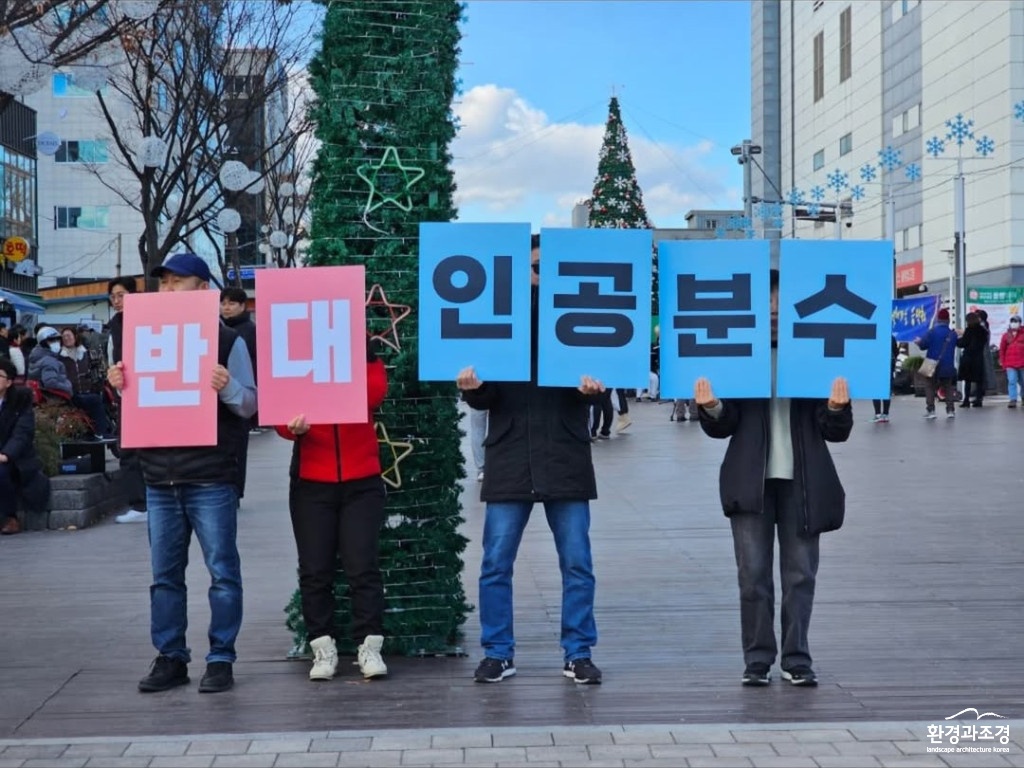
(45, 366)
(1011, 357)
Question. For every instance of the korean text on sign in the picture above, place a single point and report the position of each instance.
(311, 345)
(595, 307)
(474, 290)
(715, 319)
(835, 318)
(170, 350)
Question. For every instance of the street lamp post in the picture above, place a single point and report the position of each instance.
(744, 152)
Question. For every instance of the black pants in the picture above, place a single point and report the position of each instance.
(978, 387)
(623, 408)
(242, 453)
(134, 483)
(602, 409)
(881, 406)
(8, 493)
(332, 520)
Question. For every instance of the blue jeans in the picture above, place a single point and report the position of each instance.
(754, 543)
(210, 511)
(1014, 376)
(503, 530)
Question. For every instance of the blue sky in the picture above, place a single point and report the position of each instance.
(537, 76)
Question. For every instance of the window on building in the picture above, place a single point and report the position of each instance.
(901, 8)
(819, 159)
(82, 152)
(913, 119)
(710, 223)
(845, 45)
(846, 144)
(84, 217)
(819, 66)
(63, 87)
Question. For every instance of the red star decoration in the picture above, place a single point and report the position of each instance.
(397, 313)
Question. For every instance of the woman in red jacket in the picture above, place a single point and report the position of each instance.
(336, 501)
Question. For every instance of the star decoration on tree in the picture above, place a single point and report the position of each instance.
(396, 313)
(398, 451)
(384, 184)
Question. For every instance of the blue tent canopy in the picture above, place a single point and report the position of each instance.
(20, 302)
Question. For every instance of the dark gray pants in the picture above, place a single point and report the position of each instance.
(754, 542)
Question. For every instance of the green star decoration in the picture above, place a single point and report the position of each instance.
(389, 164)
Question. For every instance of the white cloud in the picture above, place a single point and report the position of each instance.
(513, 163)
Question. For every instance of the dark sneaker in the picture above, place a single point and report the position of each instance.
(217, 678)
(166, 673)
(800, 676)
(757, 673)
(494, 670)
(583, 671)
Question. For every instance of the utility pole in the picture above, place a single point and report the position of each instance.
(117, 268)
(744, 152)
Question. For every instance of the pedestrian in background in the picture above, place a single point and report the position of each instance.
(1011, 357)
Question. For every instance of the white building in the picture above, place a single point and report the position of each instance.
(836, 81)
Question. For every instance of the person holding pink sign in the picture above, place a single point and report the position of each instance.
(193, 488)
(336, 500)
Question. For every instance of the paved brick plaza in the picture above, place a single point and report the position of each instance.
(918, 616)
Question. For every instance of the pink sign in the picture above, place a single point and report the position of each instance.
(311, 345)
(170, 351)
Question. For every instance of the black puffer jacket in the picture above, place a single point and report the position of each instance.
(742, 476)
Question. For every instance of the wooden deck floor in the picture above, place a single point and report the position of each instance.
(919, 610)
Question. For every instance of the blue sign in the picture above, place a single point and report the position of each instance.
(248, 273)
(835, 301)
(595, 307)
(474, 301)
(911, 318)
(715, 318)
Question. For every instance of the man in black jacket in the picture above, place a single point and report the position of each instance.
(537, 450)
(778, 473)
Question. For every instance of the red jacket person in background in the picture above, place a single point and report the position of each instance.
(336, 499)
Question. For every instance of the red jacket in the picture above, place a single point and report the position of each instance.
(1011, 351)
(333, 453)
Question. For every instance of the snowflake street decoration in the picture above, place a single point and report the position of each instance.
(763, 211)
(1018, 110)
(890, 158)
(750, 233)
(776, 223)
(868, 172)
(795, 196)
(772, 211)
(959, 129)
(985, 146)
(389, 181)
(720, 233)
(912, 172)
(817, 193)
(837, 180)
(935, 146)
(813, 209)
(620, 182)
(623, 155)
(857, 192)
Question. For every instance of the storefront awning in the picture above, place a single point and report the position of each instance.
(20, 302)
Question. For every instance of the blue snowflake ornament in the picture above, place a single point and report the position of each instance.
(720, 233)
(813, 210)
(868, 172)
(774, 211)
(837, 180)
(985, 146)
(912, 172)
(735, 222)
(890, 158)
(776, 223)
(750, 233)
(817, 193)
(935, 146)
(1018, 110)
(959, 129)
(857, 192)
(795, 196)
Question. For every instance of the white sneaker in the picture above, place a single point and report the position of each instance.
(132, 516)
(480, 476)
(623, 423)
(325, 658)
(370, 662)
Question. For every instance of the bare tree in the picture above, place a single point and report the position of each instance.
(38, 35)
(198, 114)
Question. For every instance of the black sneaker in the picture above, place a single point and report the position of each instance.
(800, 676)
(757, 673)
(164, 674)
(217, 678)
(583, 671)
(494, 670)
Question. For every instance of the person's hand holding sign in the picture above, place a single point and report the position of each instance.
(298, 425)
(840, 396)
(220, 377)
(115, 376)
(703, 395)
(467, 379)
(590, 385)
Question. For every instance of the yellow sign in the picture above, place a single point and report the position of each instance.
(16, 249)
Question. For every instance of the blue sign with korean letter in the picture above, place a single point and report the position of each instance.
(474, 287)
(835, 317)
(715, 321)
(595, 307)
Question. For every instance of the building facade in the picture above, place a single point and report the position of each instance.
(19, 221)
(837, 82)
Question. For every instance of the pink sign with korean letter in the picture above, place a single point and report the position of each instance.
(311, 344)
(170, 351)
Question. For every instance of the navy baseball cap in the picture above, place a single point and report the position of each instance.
(186, 265)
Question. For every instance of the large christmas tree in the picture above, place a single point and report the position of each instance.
(384, 80)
